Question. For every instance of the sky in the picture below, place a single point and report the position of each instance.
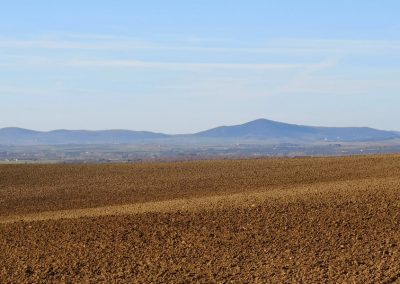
(178, 66)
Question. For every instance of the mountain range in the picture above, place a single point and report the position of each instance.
(257, 130)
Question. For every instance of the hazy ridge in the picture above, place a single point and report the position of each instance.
(260, 130)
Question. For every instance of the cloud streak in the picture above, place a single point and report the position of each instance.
(180, 65)
(277, 46)
(71, 45)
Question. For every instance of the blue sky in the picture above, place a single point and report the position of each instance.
(185, 66)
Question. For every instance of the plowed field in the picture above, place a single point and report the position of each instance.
(304, 220)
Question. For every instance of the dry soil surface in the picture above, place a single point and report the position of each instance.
(308, 220)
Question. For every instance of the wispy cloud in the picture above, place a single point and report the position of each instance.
(194, 44)
(65, 44)
(310, 81)
(294, 74)
(15, 90)
(306, 75)
(98, 61)
(179, 65)
(344, 86)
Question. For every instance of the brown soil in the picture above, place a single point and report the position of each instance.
(310, 220)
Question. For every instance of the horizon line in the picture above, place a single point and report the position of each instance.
(172, 134)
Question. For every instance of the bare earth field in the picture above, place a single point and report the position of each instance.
(303, 220)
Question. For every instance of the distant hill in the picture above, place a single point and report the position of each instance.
(264, 129)
(19, 136)
(259, 130)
